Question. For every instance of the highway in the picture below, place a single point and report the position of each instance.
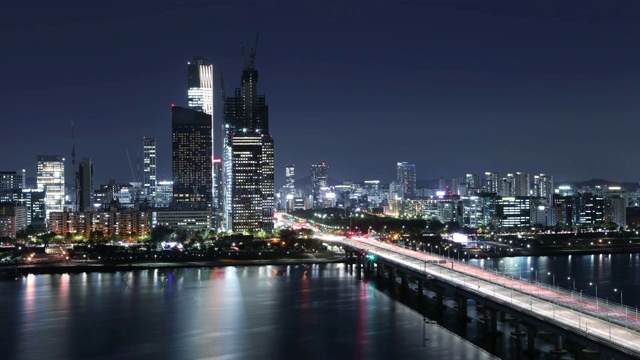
(585, 315)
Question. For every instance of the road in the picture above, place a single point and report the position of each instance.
(587, 316)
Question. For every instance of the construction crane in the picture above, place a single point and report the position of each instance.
(252, 54)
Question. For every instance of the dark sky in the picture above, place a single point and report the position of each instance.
(452, 86)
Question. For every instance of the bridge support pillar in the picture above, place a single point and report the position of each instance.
(379, 270)
(517, 331)
(462, 308)
(531, 339)
(420, 289)
(494, 321)
(404, 282)
(558, 351)
(392, 277)
(358, 266)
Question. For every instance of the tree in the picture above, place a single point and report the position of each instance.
(161, 233)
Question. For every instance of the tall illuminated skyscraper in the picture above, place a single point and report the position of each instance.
(491, 182)
(319, 178)
(50, 178)
(248, 163)
(149, 170)
(200, 85)
(192, 164)
(406, 178)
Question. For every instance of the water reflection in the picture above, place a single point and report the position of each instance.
(286, 312)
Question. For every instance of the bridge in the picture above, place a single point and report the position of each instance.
(601, 329)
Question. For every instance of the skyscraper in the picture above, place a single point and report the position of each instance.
(149, 171)
(543, 186)
(406, 178)
(86, 185)
(200, 85)
(50, 178)
(191, 156)
(491, 182)
(319, 178)
(289, 180)
(248, 163)
(523, 184)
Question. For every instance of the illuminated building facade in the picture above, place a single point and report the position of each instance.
(406, 180)
(10, 180)
(191, 150)
(491, 182)
(319, 179)
(149, 170)
(248, 163)
(50, 178)
(200, 85)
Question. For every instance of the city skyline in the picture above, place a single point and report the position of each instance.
(458, 94)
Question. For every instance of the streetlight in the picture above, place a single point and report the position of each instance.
(616, 290)
(597, 305)
(574, 283)
(554, 278)
(532, 269)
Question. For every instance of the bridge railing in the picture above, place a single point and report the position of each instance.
(603, 309)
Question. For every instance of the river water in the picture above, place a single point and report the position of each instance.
(266, 312)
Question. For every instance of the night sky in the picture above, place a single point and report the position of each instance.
(452, 86)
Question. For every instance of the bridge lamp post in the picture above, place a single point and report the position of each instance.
(597, 305)
(625, 308)
(532, 269)
(553, 276)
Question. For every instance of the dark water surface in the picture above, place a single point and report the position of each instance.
(267, 312)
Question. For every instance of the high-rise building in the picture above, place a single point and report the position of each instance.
(11, 180)
(508, 185)
(522, 184)
(290, 180)
(543, 186)
(491, 182)
(248, 163)
(472, 180)
(319, 179)
(191, 156)
(50, 178)
(149, 170)
(200, 85)
(406, 179)
(86, 185)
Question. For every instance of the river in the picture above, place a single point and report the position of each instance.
(261, 312)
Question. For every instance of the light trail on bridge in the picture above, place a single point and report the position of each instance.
(561, 308)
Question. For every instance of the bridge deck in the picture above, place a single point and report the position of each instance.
(614, 325)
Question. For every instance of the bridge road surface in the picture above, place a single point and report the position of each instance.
(554, 306)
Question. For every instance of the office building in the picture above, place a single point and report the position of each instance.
(522, 183)
(406, 180)
(50, 178)
(191, 155)
(200, 85)
(248, 162)
(10, 180)
(149, 167)
(319, 180)
(85, 185)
